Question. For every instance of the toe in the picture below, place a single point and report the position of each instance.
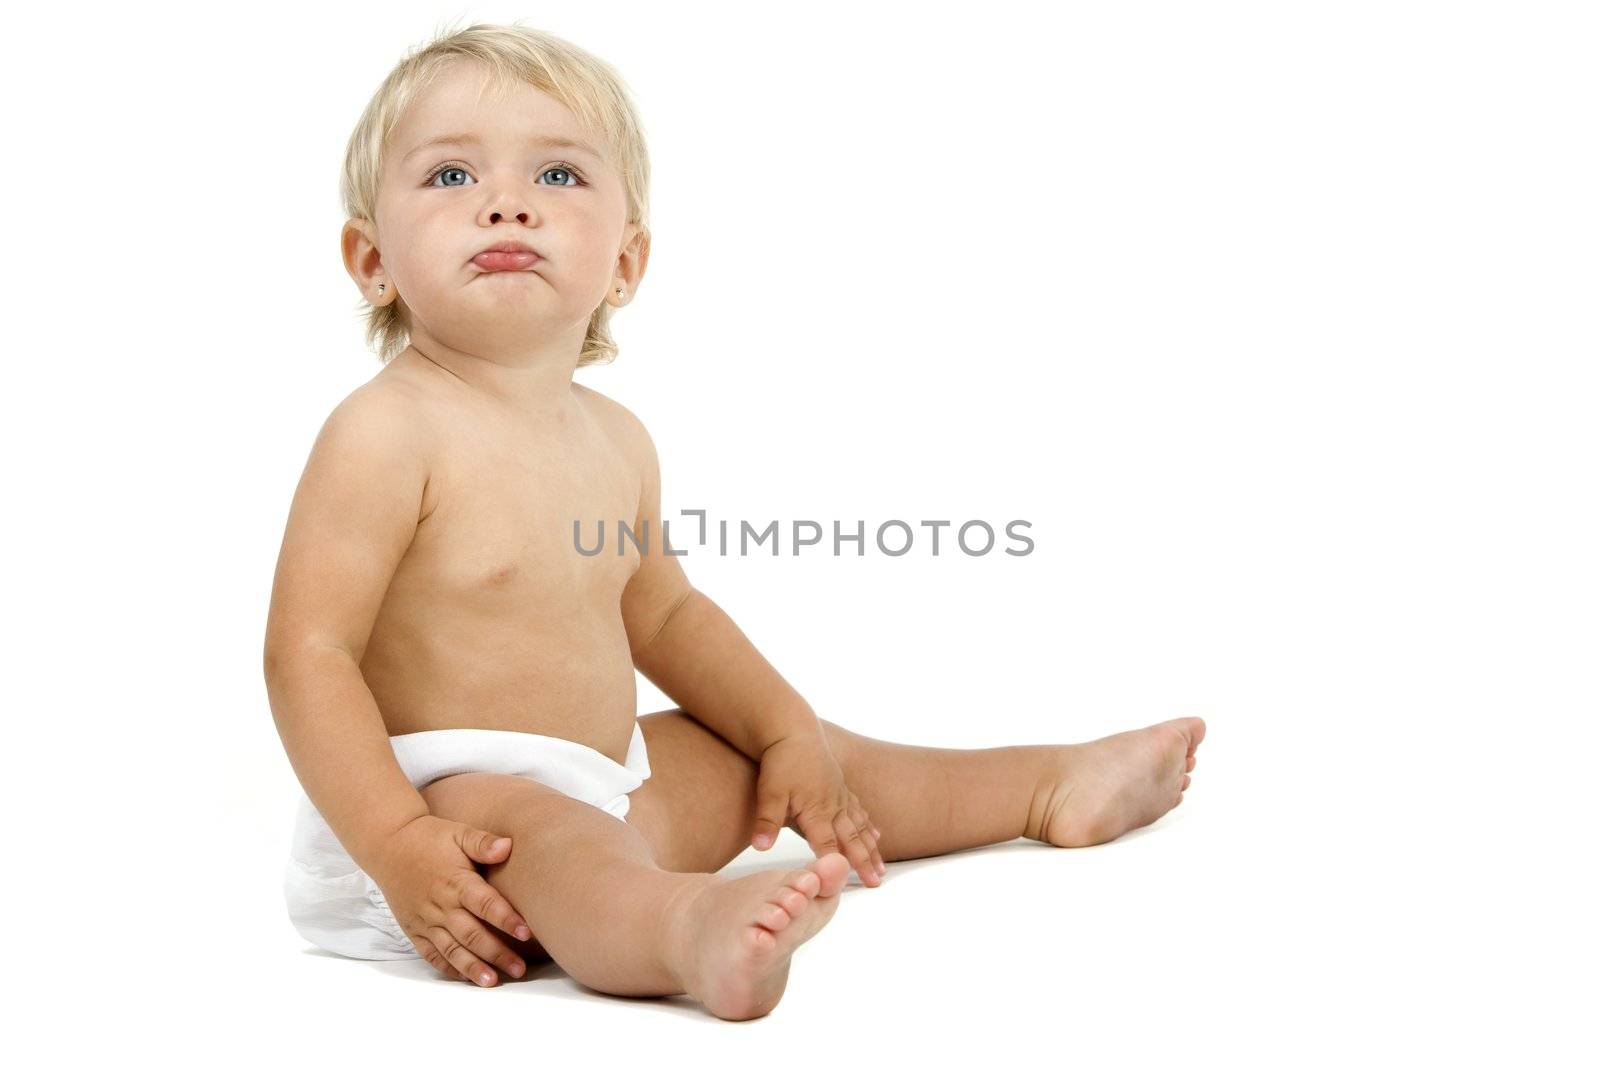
(791, 900)
(832, 869)
(1185, 784)
(1189, 765)
(805, 882)
(777, 918)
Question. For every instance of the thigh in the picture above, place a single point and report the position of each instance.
(698, 807)
(487, 801)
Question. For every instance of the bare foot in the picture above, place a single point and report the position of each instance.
(734, 937)
(1101, 789)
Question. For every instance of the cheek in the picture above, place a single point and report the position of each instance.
(591, 253)
(426, 253)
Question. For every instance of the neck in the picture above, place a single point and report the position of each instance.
(534, 381)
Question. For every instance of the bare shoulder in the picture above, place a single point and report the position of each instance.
(621, 424)
(391, 413)
(384, 430)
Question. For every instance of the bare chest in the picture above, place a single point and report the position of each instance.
(518, 518)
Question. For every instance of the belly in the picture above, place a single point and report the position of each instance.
(563, 672)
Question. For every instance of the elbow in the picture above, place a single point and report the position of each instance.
(275, 659)
(274, 651)
(660, 626)
(279, 656)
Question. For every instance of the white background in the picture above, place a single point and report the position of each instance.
(1277, 321)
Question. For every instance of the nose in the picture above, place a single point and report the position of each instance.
(506, 203)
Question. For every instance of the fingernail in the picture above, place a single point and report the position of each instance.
(523, 933)
(485, 978)
(762, 840)
(517, 970)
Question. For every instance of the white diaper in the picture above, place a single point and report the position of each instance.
(336, 906)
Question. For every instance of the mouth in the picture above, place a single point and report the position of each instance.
(506, 255)
(510, 257)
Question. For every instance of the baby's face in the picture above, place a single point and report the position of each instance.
(507, 179)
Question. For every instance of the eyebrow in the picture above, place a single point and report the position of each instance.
(472, 139)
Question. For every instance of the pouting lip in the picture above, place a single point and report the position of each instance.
(508, 246)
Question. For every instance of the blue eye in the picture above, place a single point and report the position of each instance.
(556, 168)
(562, 168)
(443, 171)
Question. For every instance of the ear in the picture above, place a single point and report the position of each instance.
(631, 263)
(358, 242)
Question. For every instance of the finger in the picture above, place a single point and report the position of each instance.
(461, 958)
(772, 811)
(483, 846)
(869, 836)
(482, 899)
(858, 819)
(818, 833)
(436, 949)
(855, 847)
(436, 960)
(481, 942)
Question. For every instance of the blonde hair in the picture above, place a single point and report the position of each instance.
(587, 85)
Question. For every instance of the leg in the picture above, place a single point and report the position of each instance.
(598, 904)
(698, 806)
(929, 801)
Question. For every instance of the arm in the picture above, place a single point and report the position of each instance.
(692, 651)
(337, 745)
(689, 647)
(353, 517)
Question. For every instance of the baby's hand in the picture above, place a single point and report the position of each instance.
(800, 777)
(425, 870)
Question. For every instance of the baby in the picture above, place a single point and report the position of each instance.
(453, 680)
